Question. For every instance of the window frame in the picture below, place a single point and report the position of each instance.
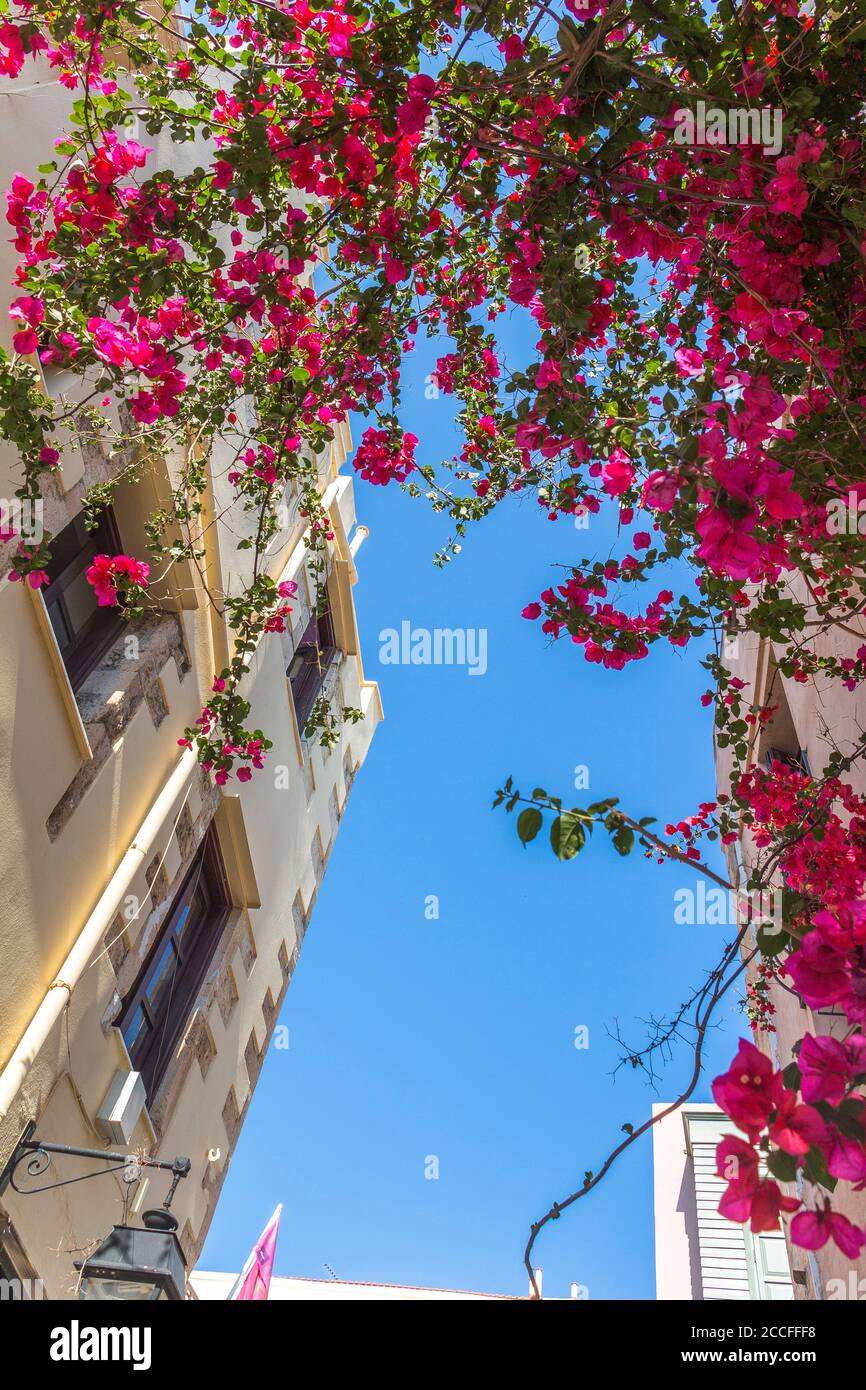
(798, 761)
(316, 650)
(192, 957)
(84, 649)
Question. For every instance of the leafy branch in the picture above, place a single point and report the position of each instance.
(569, 828)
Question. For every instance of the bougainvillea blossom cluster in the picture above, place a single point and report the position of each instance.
(697, 308)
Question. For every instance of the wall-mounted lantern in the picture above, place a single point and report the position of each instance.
(141, 1265)
(132, 1263)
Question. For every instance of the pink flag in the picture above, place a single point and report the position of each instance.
(254, 1280)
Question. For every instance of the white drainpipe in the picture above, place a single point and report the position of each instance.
(361, 534)
(60, 990)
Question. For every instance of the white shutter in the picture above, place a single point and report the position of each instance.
(722, 1254)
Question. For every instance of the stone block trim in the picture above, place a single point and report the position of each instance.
(227, 995)
(283, 958)
(156, 703)
(202, 1044)
(317, 856)
(232, 1116)
(187, 1242)
(130, 668)
(116, 943)
(349, 769)
(186, 836)
(248, 948)
(157, 880)
(269, 1010)
(299, 919)
(253, 1057)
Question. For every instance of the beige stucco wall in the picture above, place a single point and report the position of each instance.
(73, 793)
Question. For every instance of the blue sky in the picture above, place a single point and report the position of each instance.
(454, 1038)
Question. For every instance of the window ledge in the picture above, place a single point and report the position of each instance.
(126, 677)
(128, 671)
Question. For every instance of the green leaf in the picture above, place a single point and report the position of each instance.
(623, 840)
(567, 836)
(847, 1119)
(529, 823)
(771, 941)
(783, 1166)
(815, 1169)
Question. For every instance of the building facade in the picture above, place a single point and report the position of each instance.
(152, 920)
(809, 721)
(211, 1286)
(699, 1255)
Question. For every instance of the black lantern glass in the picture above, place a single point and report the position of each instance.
(143, 1265)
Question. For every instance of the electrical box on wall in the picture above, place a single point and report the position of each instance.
(123, 1104)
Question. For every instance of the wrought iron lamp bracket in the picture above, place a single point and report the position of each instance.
(37, 1155)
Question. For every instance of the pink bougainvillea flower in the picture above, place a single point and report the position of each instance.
(548, 374)
(107, 572)
(750, 1090)
(727, 545)
(812, 1229)
(412, 114)
(617, 473)
(826, 1070)
(25, 341)
(660, 491)
(820, 969)
(737, 1162)
(380, 461)
(512, 48)
(395, 270)
(795, 1127)
(767, 1205)
(760, 1202)
(35, 578)
(846, 1158)
(690, 361)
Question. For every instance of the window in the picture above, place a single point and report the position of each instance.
(309, 665)
(798, 761)
(83, 630)
(156, 1009)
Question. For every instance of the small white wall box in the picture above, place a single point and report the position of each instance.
(124, 1102)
